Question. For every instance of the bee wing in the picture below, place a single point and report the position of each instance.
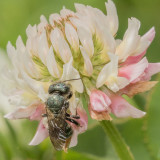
(57, 135)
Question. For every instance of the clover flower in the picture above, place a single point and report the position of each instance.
(79, 44)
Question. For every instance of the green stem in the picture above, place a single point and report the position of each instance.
(120, 146)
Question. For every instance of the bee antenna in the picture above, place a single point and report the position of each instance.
(72, 79)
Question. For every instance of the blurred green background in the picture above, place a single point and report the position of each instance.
(142, 135)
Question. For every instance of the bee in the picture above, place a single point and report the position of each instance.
(57, 104)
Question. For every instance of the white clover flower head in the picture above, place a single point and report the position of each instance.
(83, 45)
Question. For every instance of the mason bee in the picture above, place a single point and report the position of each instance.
(57, 104)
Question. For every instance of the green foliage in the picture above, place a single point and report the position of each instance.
(151, 124)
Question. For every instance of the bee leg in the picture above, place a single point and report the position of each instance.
(73, 121)
(44, 115)
(77, 115)
(73, 116)
(69, 95)
(66, 104)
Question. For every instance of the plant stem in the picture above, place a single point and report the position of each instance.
(119, 144)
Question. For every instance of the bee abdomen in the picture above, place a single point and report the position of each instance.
(69, 131)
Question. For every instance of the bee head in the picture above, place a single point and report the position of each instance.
(60, 87)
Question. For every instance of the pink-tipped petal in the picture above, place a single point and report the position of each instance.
(74, 139)
(121, 108)
(150, 34)
(130, 41)
(41, 134)
(99, 101)
(37, 115)
(83, 121)
(33, 112)
(153, 68)
(133, 71)
(133, 59)
(22, 112)
(99, 105)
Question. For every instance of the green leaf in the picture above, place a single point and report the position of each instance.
(5, 147)
(73, 155)
(118, 142)
(151, 123)
(95, 142)
(131, 131)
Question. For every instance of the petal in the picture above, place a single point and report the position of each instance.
(79, 7)
(32, 43)
(72, 36)
(32, 46)
(112, 84)
(54, 18)
(145, 41)
(69, 73)
(121, 108)
(37, 115)
(73, 104)
(29, 65)
(138, 87)
(150, 34)
(118, 41)
(12, 54)
(153, 68)
(41, 134)
(86, 39)
(31, 31)
(66, 13)
(99, 101)
(43, 47)
(20, 45)
(112, 17)
(43, 19)
(83, 121)
(74, 139)
(96, 18)
(104, 74)
(36, 86)
(60, 45)
(64, 50)
(43, 23)
(88, 68)
(56, 34)
(32, 112)
(23, 112)
(143, 45)
(22, 54)
(130, 40)
(122, 82)
(133, 71)
(52, 64)
(110, 69)
(133, 59)
(79, 23)
(107, 39)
